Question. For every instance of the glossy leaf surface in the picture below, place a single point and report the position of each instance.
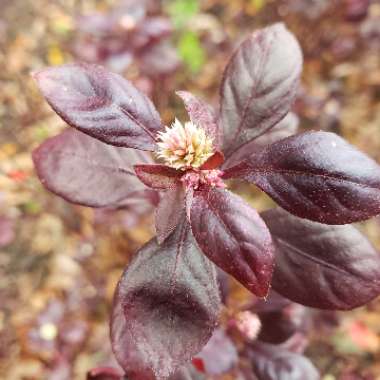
(234, 237)
(165, 308)
(288, 126)
(101, 104)
(169, 212)
(318, 176)
(86, 171)
(327, 267)
(201, 114)
(270, 362)
(259, 85)
(158, 176)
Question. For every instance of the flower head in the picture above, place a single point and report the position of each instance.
(184, 146)
(248, 324)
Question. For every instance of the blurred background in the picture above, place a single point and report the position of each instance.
(59, 263)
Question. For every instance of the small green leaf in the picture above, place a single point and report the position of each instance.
(182, 10)
(31, 207)
(191, 51)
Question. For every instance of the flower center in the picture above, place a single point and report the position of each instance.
(184, 146)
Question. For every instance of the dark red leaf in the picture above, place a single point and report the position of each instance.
(270, 362)
(318, 176)
(100, 103)
(219, 355)
(86, 171)
(165, 308)
(202, 115)
(214, 161)
(259, 85)
(170, 211)
(327, 267)
(158, 176)
(104, 373)
(234, 237)
(288, 126)
(278, 326)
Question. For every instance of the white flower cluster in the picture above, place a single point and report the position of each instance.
(184, 146)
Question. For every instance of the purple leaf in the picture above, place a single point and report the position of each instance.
(169, 212)
(270, 362)
(327, 267)
(86, 171)
(219, 355)
(158, 59)
(202, 115)
(101, 104)
(318, 176)
(278, 326)
(288, 126)
(259, 85)
(165, 308)
(154, 28)
(234, 237)
(158, 176)
(104, 373)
